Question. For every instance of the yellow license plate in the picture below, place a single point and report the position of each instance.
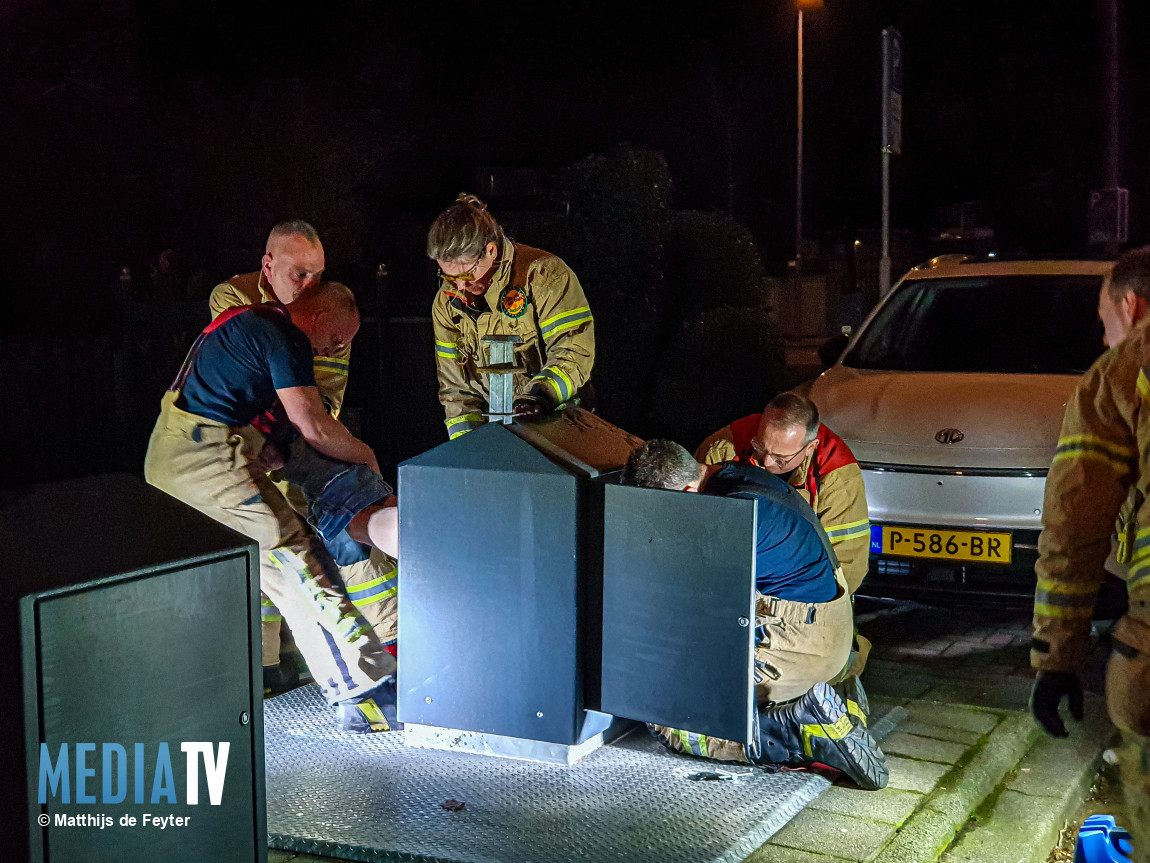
(976, 546)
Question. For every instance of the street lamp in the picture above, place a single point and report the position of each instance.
(802, 6)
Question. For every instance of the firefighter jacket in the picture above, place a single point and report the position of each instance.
(252, 289)
(1100, 465)
(829, 479)
(533, 295)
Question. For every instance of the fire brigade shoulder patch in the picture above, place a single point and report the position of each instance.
(513, 302)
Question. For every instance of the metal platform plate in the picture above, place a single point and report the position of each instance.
(370, 798)
(502, 746)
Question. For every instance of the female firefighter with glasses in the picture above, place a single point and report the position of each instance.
(491, 286)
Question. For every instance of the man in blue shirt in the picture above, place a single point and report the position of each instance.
(206, 452)
(805, 624)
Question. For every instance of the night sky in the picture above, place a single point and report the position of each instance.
(195, 124)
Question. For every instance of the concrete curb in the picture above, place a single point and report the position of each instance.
(1034, 805)
(927, 833)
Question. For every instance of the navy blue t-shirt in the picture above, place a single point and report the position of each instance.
(243, 362)
(791, 561)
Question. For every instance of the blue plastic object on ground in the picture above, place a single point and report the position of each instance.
(1100, 840)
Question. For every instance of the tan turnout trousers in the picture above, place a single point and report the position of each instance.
(1128, 702)
(797, 644)
(252, 289)
(208, 466)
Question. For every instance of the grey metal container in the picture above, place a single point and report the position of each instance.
(136, 621)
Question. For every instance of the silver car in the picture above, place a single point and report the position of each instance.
(951, 396)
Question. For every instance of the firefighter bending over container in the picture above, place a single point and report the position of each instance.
(491, 286)
(788, 440)
(804, 626)
(205, 452)
(1101, 463)
(292, 264)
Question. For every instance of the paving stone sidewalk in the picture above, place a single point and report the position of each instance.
(970, 656)
(967, 785)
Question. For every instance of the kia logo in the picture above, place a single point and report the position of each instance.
(949, 436)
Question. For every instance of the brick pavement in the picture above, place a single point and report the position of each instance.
(973, 656)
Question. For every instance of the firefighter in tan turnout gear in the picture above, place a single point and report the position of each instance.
(1102, 460)
(206, 451)
(492, 286)
(788, 440)
(804, 623)
(293, 264)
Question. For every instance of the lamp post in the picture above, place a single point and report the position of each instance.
(802, 5)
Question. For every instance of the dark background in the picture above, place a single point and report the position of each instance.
(132, 128)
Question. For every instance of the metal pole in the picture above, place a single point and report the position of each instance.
(500, 371)
(884, 261)
(799, 167)
(1111, 37)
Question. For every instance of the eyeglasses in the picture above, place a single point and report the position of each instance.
(467, 275)
(763, 457)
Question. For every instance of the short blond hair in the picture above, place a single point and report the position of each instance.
(332, 296)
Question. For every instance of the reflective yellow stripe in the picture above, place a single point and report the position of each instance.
(544, 324)
(1120, 468)
(1074, 612)
(358, 588)
(1138, 566)
(848, 524)
(559, 394)
(1093, 440)
(331, 365)
(853, 707)
(463, 418)
(834, 732)
(1137, 583)
(568, 325)
(1046, 585)
(447, 349)
(374, 715)
(379, 597)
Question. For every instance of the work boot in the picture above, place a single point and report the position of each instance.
(279, 678)
(818, 729)
(858, 706)
(372, 711)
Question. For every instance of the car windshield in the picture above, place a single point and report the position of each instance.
(1044, 324)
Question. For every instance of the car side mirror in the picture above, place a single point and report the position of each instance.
(832, 348)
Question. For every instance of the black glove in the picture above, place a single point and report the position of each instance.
(1046, 696)
(528, 407)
